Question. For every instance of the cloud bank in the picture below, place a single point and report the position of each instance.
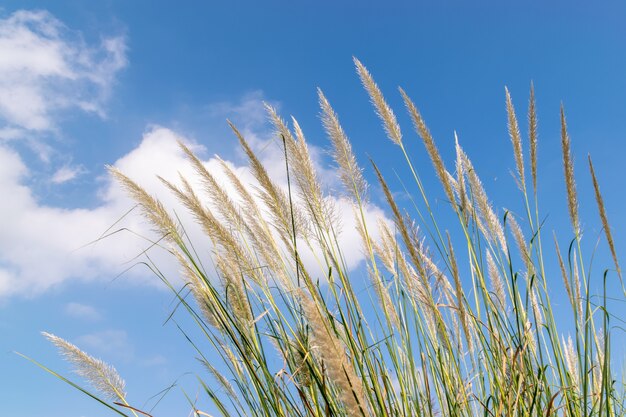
(42, 247)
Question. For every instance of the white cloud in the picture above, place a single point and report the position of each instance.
(42, 247)
(67, 173)
(154, 361)
(111, 343)
(45, 67)
(82, 311)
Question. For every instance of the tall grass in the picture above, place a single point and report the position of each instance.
(456, 319)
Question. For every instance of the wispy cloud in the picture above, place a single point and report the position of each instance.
(67, 173)
(82, 311)
(111, 343)
(45, 68)
(56, 237)
(154, 360)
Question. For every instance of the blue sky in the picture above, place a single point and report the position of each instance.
(85, 84)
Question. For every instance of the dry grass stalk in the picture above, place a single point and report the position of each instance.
(387, 249)
(520, 241)
(378, 100)
(532, 135)
(259, 231)
(570, 183)
(529, 334)
(537, 308)
(460, 179)
(102, 376)
(577, 294)
(382, 292)
(214, 229)
(516, 138)
(429, 143)
(218, 196)
(152, 208)
(460, 297)
(332, 352)
(321, 209)
(571, 362)
(273, 196)
(349, 170)
(199, 290)
(441, 283)
(495, 278)
(484, 207)
(605, 222)
(566, 283)
(232, 277)
(598, 377)
(401, 226)
(227, 386)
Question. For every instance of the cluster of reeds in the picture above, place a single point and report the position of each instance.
(432, 333)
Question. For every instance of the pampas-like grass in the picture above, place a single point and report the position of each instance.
(568, 168)
(453, 321)
(532, 135)
(100, 375)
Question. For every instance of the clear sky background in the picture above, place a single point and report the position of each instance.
(85, 84)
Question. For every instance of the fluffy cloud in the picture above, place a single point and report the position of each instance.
(45, 67)
(42, 247)
(82, 311)
(112, 343)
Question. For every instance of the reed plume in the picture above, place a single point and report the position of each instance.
(429, 143)
(462, 323)
(532, 135)
(102, 376)
(331, 351)
(570, 183)
(349, 171)
(378, 100)
(602, 211)
(152, 208)
(516, 138)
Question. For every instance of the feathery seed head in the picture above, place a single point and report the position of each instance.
(151, 208)
(102, 376)
(429, 143)
(460, 179)
(568, 167)
(520, 240)
(605, 221)
(349, 170)
(516, 138)
(460, 297)
(532, 134)
(332, 352)
(378, 100)
(273, 196)
(571, 362)
(484, 207)
(218, 196)
(568, 287)
(497, 285)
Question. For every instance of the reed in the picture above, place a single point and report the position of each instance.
(461, 322)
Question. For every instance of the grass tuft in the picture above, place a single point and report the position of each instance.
(459, 322)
